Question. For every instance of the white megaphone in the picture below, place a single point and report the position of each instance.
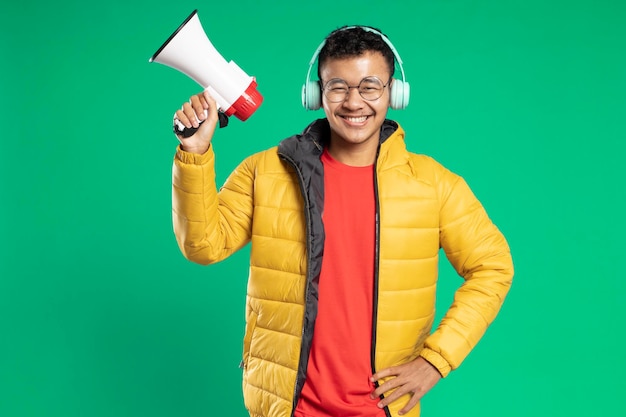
(189, 51)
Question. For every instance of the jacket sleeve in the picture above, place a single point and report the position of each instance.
(480, 254)
(210, 225)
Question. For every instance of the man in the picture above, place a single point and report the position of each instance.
(345, 228)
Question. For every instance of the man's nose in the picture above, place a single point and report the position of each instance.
(353, 99)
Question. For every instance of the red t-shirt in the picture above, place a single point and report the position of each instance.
(339, 366)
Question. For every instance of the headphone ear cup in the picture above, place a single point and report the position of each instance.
(311, 95)
(399, 94)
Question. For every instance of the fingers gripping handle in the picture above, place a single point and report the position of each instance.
(180, 129)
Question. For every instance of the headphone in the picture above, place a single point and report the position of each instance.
(399, 91)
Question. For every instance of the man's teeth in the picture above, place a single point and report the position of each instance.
(356, 119)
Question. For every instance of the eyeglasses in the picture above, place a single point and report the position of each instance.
(370, 88)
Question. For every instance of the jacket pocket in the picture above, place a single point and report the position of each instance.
(247, 339)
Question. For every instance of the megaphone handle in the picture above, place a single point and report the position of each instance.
(180, 129)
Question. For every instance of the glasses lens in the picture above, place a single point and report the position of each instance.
(336, 90)
(371, 88)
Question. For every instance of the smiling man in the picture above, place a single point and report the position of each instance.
(345, 226)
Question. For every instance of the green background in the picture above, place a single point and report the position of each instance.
(100, 315)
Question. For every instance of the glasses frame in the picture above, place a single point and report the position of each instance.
(324, 88)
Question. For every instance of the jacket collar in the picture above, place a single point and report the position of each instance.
(316, 135)
(392, 151)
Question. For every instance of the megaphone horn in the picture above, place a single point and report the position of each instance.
(189, 51)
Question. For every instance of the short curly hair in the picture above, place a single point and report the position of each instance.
(353, 41)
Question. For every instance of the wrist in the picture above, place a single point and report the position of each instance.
(199, 150)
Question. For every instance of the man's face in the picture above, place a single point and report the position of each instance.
(356, 121)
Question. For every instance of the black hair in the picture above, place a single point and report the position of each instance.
(349, 42)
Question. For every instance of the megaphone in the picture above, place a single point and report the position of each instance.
(189, 51)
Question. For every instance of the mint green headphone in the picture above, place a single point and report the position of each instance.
(400, 89)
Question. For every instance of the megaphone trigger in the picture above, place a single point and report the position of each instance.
(223, 119)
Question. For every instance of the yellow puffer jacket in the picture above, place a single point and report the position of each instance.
(275, 198)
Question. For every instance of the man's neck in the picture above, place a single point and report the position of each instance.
(358, 155)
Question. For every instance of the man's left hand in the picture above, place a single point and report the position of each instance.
(415, 378)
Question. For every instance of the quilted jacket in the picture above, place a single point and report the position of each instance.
(274, 199)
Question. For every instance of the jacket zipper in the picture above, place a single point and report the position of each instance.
(376, 277)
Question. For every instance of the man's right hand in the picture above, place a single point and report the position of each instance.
(199, 108)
